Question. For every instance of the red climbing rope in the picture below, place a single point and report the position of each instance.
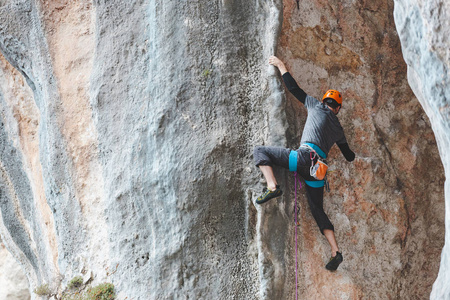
(296, 225)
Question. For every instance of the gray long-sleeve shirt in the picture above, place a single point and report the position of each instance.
(322, 126)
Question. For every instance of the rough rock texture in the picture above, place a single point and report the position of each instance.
(14, 284)
(126, 128)
(126, 140)
(388, 205)
(424, 28)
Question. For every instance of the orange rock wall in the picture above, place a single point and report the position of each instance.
(387, 206)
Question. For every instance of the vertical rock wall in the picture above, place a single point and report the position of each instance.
(14, 284)
(423, 27)
(387, 206)
(126, 140)
(127, 130)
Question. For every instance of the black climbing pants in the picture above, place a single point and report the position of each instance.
(278, 156)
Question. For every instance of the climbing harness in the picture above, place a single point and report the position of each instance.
(320, 165)
(293, 157)
(315, 148)
(296, 212)
(318, 168)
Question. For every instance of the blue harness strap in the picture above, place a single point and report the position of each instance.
(293, 156)
(293, 161)
(317, 149)
(315, 184)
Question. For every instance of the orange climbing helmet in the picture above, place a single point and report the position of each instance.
(333, 94)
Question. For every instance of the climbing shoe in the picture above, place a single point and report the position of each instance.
(334, 262)
(269, 194)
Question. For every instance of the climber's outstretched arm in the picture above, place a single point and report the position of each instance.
(290, 82)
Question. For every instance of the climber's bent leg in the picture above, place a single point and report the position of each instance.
(269, 176)
(271, 156)
(265, 158)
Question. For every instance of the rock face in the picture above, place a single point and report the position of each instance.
(388, 205)
(424, 29)
(14, 283)
(126, 142)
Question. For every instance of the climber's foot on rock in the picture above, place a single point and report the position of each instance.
(334, 262)
(269, 194)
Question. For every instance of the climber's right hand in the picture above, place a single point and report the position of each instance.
(275, 61)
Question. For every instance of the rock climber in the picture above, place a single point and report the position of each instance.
(322, 129)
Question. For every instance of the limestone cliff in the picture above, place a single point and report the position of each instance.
(126, 137)
(424, 28)
(14, 284)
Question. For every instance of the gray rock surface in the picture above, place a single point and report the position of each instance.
(14, 284)
(145, 115)
(126, 140)
(424, 28)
